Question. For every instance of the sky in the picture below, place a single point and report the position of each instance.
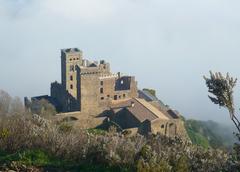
(167, 44)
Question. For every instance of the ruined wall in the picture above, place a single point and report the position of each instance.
(171, 128)
(65, 100)
(161, 126)
(58, 93)
(117, 88)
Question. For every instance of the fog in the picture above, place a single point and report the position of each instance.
(167, 44)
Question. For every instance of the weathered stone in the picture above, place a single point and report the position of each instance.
(90, 90)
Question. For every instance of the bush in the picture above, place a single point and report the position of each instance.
(111, 150)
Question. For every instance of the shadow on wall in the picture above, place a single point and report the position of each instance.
(123, 83)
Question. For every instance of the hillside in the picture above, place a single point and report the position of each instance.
(210, 134)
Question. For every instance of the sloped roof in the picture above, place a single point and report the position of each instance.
(151, 108)
(149, 97)
(173, 114)
(140, 109)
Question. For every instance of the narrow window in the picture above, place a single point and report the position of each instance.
(101, 83)
(71, 86)
(71, 68)
(124, 95)
(71, 77)
(115, 97)
(101, 90)
(119, 97)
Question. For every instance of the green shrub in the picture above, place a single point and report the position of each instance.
(181, 164)
(65, 127)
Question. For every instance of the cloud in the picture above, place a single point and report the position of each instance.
(164, 43)
(76, 10)
(79, 9)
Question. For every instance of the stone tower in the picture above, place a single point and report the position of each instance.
(89, 86)
(71, 60)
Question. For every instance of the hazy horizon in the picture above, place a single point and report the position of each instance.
(167, 44)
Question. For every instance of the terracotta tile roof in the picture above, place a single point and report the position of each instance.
(140, 109)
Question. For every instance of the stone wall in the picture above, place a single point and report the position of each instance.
(171, 128)
(125, 119)
(89, 87)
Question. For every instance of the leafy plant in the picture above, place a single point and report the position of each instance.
(221, 87)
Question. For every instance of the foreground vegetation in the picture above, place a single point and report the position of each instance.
(32, 142)
(29, 142)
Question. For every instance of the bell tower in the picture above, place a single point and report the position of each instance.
(71, 60)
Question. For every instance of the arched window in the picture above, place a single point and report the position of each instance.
(71, 77)
(71, 86)
(101, 90)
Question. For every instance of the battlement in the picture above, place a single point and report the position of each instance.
(71, 50)
(108, 76)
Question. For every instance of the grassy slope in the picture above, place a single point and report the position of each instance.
(43, 160)
(209, 134)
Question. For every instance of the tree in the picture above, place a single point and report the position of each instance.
(43, 108)
(151, 91)
(5, 100)
(16, 106)
(221, 87)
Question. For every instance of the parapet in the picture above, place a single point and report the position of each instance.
(71, 50)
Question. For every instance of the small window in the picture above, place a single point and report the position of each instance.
(108, 96)
(124, 95)
(102, 98)
(115, 97)
(74, 59)
(162, 126)
(101, 83)
(119, 97)
(71, 86)
(70, 59)
(101, 90)
(71, 77)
